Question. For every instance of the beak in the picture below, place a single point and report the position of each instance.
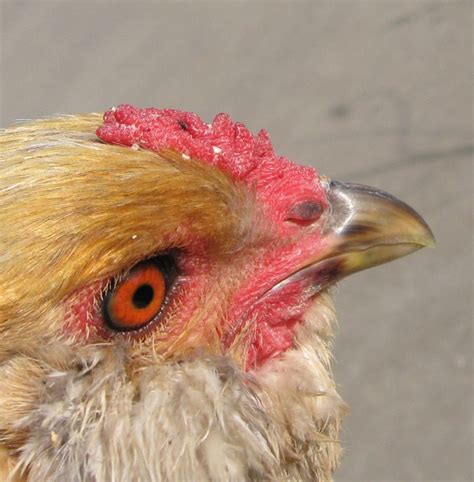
(367, 227)
(364, 227)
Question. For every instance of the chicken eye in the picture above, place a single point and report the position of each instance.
(138, 298)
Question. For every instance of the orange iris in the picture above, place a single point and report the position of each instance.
(137, 299)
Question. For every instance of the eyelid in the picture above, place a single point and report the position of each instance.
(84, 315)
(131, 319)
(122, 306)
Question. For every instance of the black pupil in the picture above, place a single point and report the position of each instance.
(143, 296)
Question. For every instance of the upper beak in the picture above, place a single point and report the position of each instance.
(367, 227)
(363, 227)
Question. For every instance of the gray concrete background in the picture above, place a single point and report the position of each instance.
(378, 92)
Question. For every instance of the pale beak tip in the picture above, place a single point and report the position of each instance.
(426, 237)
(430, 241)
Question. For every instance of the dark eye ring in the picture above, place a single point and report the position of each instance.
(139, 297)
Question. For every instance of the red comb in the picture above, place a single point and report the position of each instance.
(224, 143)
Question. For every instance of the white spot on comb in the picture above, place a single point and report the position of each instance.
(217, 150)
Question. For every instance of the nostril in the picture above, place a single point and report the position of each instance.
(305, 212)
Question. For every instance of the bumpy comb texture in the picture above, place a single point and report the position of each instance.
(225, 144)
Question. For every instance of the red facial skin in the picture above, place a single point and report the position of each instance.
(276, 311)
(280, 184)
(291, 197)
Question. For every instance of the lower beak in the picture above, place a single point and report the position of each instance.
(364, 227)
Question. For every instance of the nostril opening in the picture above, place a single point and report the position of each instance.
(306, 212)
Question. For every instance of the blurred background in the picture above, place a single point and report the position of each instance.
(378, 92)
